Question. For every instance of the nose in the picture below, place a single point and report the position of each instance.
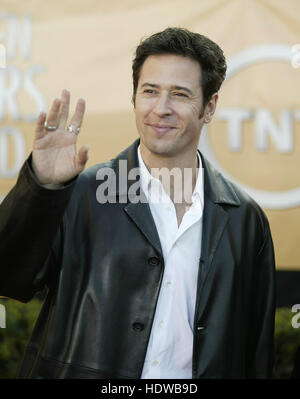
(162, 105)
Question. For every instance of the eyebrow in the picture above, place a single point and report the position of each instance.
(172, 87)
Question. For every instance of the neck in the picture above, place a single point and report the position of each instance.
(178, 174)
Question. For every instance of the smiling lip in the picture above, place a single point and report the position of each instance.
(161, 129)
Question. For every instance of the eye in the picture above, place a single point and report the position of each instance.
(180, 94)
(149, 91)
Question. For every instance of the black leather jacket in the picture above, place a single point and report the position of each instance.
(103, 266)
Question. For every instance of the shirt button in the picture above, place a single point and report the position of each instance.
(168, 284)
(161, 323)
(155, 363)
(154, 261)
(138, 326)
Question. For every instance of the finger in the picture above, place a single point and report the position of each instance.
(39, 130)
(81, 158)
(52, 119)
(64, 109)
(77, 118)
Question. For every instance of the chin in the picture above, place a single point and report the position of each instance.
(161, 148)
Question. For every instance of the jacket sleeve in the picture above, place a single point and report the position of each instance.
(30, 218)
(262, 315)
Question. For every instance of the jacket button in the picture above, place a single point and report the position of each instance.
(138, 326)
(154, 261)
(200, 328)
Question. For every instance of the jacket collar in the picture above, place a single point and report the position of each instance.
(216, 187)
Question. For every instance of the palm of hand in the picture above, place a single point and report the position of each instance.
(55, 154)
(54, 157)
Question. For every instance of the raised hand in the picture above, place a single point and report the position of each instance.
(54, 156)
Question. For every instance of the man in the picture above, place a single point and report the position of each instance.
(154, 288)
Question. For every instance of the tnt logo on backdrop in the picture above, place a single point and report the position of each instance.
(270, 131)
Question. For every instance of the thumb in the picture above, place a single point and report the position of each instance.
(81, 158)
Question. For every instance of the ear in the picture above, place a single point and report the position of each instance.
(210, 108)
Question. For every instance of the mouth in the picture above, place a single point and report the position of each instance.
(161, 129)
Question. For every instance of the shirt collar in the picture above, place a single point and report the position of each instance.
(147, 179)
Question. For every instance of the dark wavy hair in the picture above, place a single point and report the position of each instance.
(180, 41)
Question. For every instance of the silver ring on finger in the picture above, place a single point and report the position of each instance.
(49, 127)
(71, 128)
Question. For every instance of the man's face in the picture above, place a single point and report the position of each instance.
(168, 105)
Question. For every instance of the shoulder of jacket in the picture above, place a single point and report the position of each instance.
(90, 173)
(88, 178)
(226, 192)
(249, 206)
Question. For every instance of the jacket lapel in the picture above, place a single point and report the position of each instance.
(137, 208)
(214, 222)
(217, 192)
(141, 215)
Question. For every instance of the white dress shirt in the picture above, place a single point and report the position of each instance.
(170, 348)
